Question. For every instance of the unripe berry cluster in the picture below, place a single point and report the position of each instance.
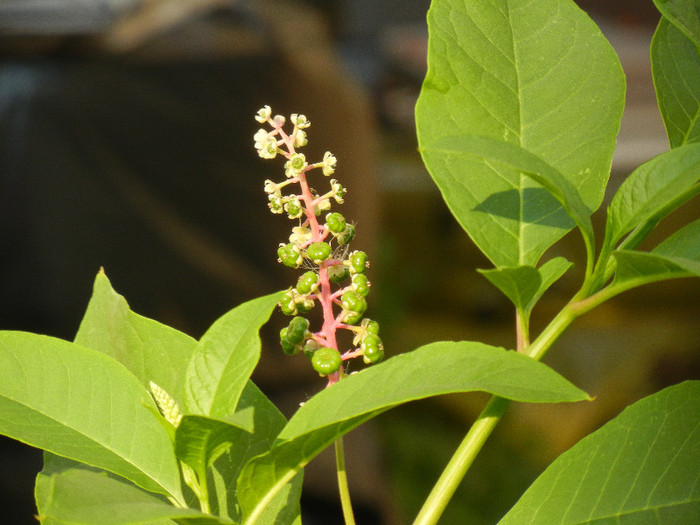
(334, 276)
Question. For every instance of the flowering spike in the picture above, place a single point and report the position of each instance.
(321, 248)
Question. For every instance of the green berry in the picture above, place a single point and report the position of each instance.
(310, 348)
(351, 317)
(353, 302)
(338, 273)
(358, 262)
(296, 331)
(288, 304)
(318, 251)
(288, 347)
(304, 304)
(360, 284)
(307, 282)
(347, 235)
(290, 255)
(335, 222)
(326, 360)
(372, 349)
(371, 327)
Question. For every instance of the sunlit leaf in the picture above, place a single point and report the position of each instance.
(641, 467)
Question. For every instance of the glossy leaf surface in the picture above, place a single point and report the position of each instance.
(84, 405)
(652, 191)
(537, 75)
(684, 14)
(150, 350)
(225, 357)
(678, 256)
(641, 467)
(69, 493)
(675, 67)
(267, 422)
(435, 369)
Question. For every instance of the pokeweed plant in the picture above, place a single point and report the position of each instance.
(516, 123)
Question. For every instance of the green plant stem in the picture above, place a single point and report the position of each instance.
(472, 443)
(462, 459)
(348, 515)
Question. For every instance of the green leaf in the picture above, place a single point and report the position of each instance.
(69, 493)
(438, 368)
(538, 75)
(200, 440)
(684, 14)
(651, 192)
(225, 357)
(150, 350)
(462, 149)
(84, 405)
(675, 67)
(268, 422)
(678, 256)
(525, 285)
(641, 467)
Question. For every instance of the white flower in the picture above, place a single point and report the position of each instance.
(300, 121)
(266, 144)
(300, 139)
(295, 165)
(263, 114)
(300, 235)
(338, 191)
(272, 188)
(275, 204)
(329, 162)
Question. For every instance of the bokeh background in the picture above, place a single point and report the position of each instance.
(126, 143)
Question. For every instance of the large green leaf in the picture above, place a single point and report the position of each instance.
(684, 14)
(435, 369)
(675, 67)
(462, 149)
(641, 467)
(150, 350)
(225, 357)
(652, 191)
(539, 75)
(69, 493)
(84, 405)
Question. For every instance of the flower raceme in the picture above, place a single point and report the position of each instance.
(333, 275)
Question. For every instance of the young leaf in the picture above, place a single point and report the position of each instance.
(678, 256)
(435, 369)
(200, 440)
(641, 467)
(543, 78)
(684, 14)
(525, 285)
(267, 422)
(651, 192)
(73, 493)
(225, 357)
(150, 350)
(675, 68)
(84, 405)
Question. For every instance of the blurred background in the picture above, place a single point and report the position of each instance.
(126, 143)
